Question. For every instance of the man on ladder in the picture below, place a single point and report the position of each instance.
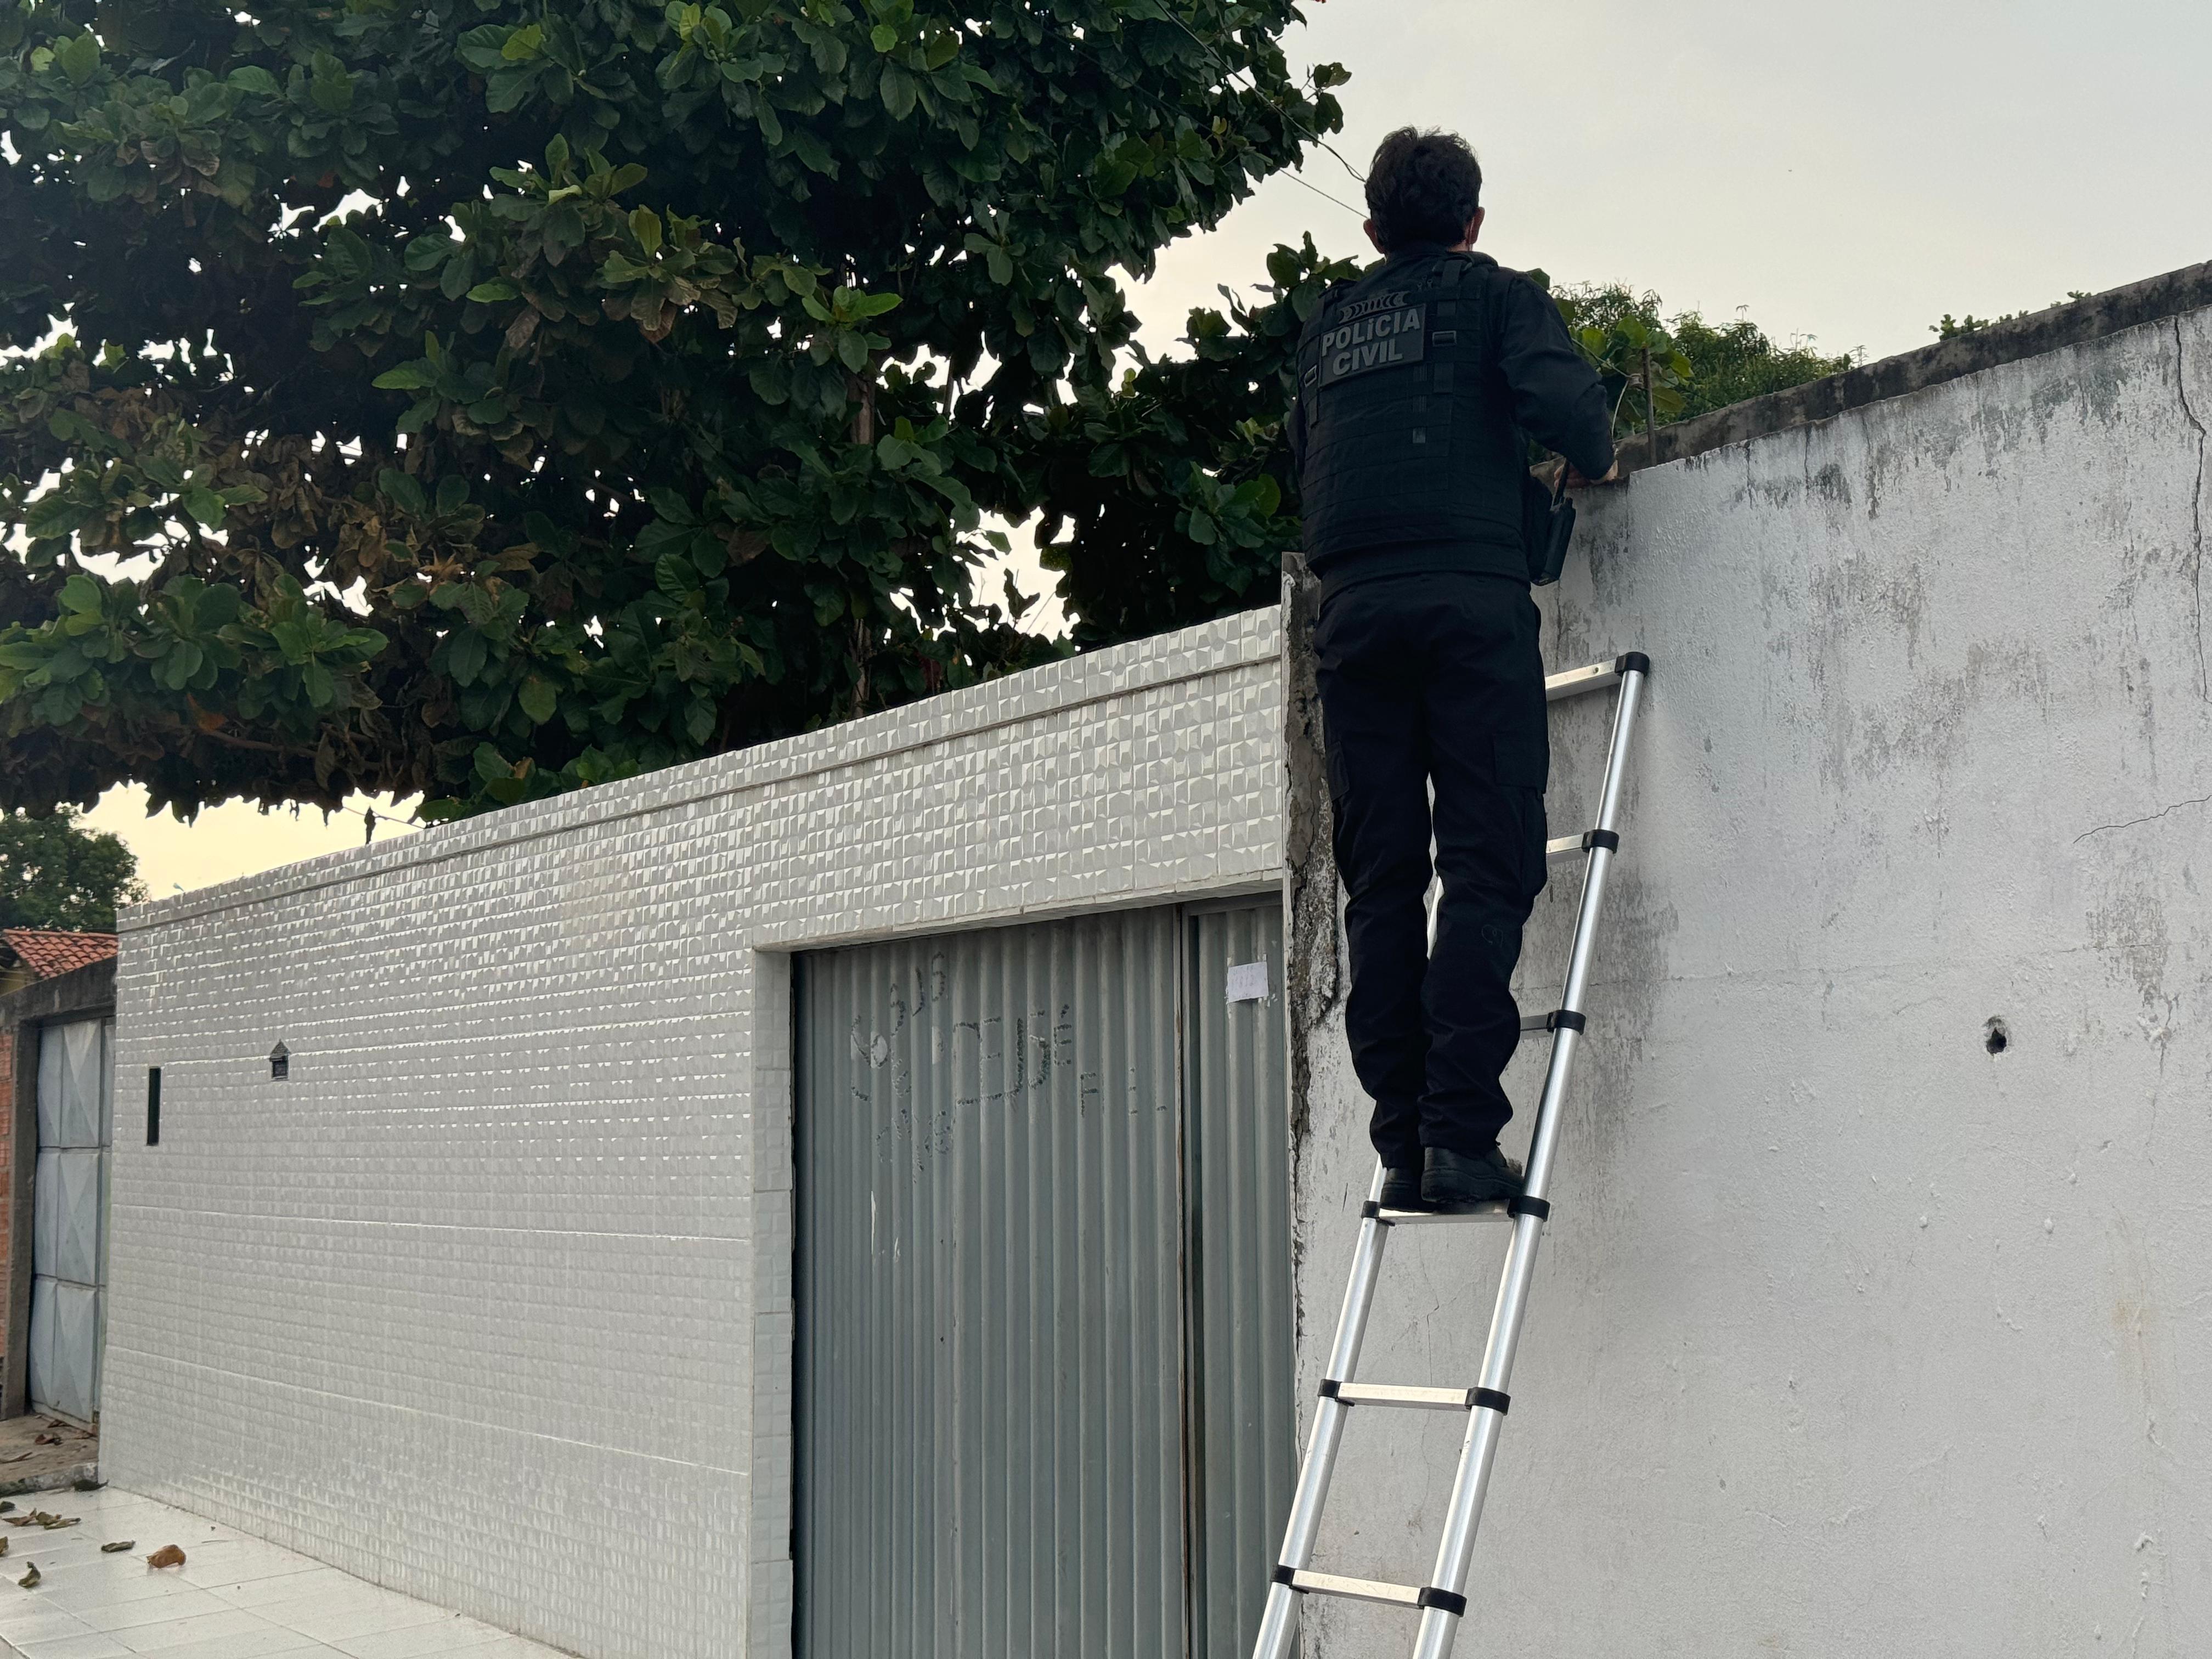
(1414, 390)
(1416, 385)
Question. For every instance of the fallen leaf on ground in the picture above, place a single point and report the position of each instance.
(3, 1547)
(18, 1457)
(5, 1508)
(118, 1546)
(30, 1580)
(86, 1485)
(167, 1556)
(46, 1440)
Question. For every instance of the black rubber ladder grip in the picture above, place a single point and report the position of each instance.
(1566, 847)
(1560, 1019)
(1596, 677)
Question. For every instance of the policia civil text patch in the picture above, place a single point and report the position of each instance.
(1382, 332)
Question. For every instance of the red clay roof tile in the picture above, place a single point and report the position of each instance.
(48, 952)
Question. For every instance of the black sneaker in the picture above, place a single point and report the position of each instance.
(1452, 1182)
(1401, 1189)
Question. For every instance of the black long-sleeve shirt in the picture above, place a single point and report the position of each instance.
(1557, 398)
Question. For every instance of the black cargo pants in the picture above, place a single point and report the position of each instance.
(1434, 680)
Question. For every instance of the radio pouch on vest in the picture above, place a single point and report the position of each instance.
(1547, 524)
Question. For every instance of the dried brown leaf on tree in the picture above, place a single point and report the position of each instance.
(167, 1556)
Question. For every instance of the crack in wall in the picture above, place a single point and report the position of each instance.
(1313, 984)
(2196, 503)
(2148, 818)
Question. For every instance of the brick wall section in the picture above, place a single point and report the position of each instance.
(491, 1301)
(6, 1167)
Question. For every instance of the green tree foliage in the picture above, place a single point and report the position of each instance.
(649, 406)
(1735, 361)
(1948, 327)
(56, 873)
(1170, 497)
(1697, 366)
(1621, 334)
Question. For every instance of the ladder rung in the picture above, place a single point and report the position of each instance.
(1596, 677)
(1422, 1217)
(1398, 1393)
(1357, 1589)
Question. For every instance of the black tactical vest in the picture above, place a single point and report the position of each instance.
(1410, 437)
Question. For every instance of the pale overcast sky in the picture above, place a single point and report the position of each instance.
(1847, 172)
(1850, 171)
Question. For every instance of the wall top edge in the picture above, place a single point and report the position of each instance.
(2154, 300)
(1223, 646)
(88, 989)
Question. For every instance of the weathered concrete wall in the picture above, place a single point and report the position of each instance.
(491, 1301)
(1852, 1337)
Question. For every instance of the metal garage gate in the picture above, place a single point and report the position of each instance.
(1045, 1341)
(68, 1216)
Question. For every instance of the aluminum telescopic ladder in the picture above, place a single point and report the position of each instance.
(1442, 1601)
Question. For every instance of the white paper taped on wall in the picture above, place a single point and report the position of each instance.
(1248, 981)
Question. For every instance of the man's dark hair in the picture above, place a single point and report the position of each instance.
(1423, 187)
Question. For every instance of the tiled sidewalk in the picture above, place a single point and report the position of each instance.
(234, 1597)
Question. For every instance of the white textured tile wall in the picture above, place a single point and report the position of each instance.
(491, 1302)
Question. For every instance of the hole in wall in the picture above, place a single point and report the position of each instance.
(1996, 1038)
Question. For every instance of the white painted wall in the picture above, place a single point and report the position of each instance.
(491, 1302)
(1851, 1339)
